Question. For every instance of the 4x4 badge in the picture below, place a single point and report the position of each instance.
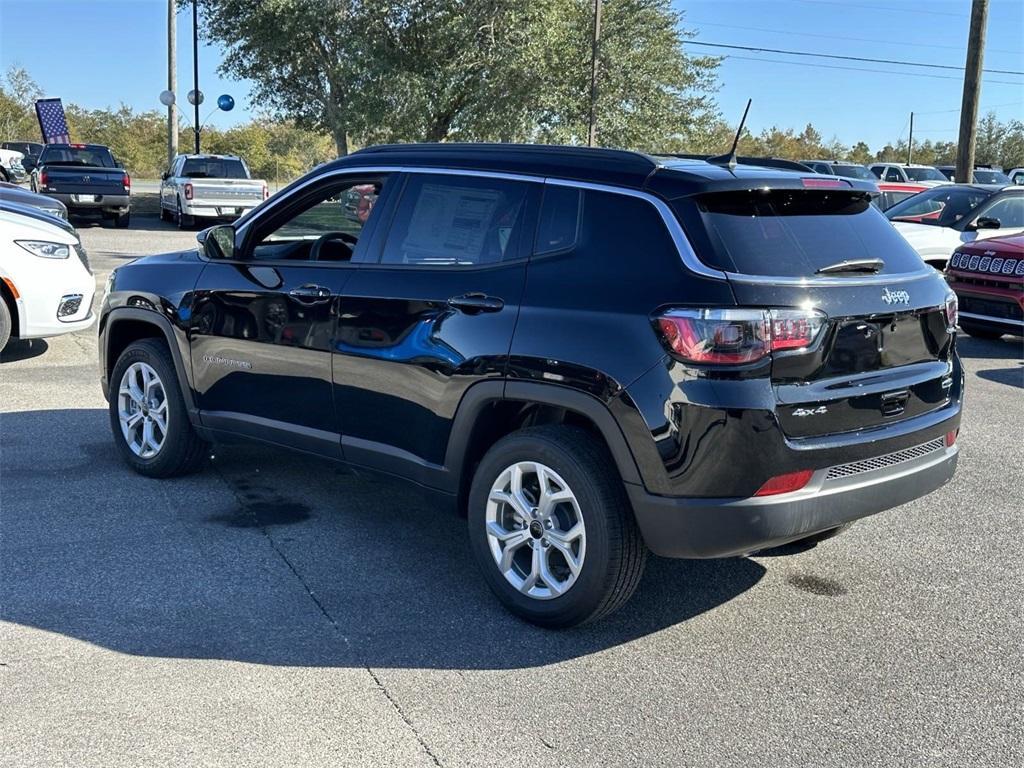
(895, 297)
(810, 411)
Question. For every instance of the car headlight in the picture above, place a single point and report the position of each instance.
(45, 249)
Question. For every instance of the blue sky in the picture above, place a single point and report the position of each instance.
(98, 53)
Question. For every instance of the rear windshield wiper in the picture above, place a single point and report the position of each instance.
(852, 265)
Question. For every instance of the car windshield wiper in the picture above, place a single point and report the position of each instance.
(852, 265)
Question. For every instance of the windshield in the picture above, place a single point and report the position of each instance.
(991, 177)
(925, 174)
(793, 233)
(96, 157)
(940, 206)
(853, 172)
(214, 168)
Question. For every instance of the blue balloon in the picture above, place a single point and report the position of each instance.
(225, 102)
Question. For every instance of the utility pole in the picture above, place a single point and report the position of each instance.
(910, 144)
(172, 80)
(195, 65)
(972, 91)
(595, 40)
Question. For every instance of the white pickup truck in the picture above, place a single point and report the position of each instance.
(208, 187)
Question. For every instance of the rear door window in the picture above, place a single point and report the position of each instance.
(793, 233)
(461, 221)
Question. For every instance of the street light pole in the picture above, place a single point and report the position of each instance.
(595, 40)
(195, 65)
(172, 80)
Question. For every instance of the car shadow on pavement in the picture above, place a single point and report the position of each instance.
(23, 349)
(275, 558)
(1013, 377)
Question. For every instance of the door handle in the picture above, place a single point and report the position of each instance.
(474, 303)
(310, 291)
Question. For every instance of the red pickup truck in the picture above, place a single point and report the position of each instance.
(988, 278)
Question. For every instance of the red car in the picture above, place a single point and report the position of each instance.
(896, 192)
(988, 278)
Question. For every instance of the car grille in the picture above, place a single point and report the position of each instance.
(1008, 310)
(888, 460)
(992, 265)
(83, 257)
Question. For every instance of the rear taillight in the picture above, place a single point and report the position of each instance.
(951, 437)
(188, 191)
(825, 183)
(43, 179)
(791, 481)
(126, 180)
(266, 192)
(952, 312)
(737, 336)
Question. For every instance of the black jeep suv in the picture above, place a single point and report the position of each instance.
(591, 353)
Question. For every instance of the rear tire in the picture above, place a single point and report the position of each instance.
(5, 324)
(184, 221)
(980, 331)
(527, 568)
(122, 220)
(170, 451)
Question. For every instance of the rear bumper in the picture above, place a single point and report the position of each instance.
(705, 527)
(105, 203)
(213, 211)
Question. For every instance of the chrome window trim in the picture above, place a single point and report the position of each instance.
(679, 238)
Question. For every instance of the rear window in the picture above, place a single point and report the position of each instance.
(924, 174)
(991, 177)
(853, 172)
(794, 233)
(213, 168)
(96, 157)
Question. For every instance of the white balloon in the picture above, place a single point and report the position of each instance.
(167, 98)
(194, 99)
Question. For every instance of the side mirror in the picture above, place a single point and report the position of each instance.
(987, 222)
(165, 176)
(218, 242)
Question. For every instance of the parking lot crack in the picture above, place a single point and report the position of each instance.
(405, 717)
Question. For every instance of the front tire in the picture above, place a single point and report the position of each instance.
(148, 417)
(980, 331)
(5, 324)
(551, 527)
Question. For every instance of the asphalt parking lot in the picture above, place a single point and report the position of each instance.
(279, 610)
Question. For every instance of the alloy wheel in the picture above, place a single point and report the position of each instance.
(142, 410)
(535, 530)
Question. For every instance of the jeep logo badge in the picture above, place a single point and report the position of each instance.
(895, 297)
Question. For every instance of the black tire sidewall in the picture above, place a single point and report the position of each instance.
(177, 443)
(588, 592)
(6, 323)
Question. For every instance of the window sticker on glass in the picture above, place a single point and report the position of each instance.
(449, 224)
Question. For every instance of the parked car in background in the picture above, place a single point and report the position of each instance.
(982, 174)
(892, 192)
(988, 278)
(900, 172)
(12, 193)
(1016, 176)
(764, 318)
(29, 149)
(86, 178)
(11, 166)
(840, 168)
(208, 187)
(46, 287)
(939, 220)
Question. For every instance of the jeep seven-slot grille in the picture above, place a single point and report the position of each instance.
(888, 460)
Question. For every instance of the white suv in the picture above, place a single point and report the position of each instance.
(909, 174)
(46, 287)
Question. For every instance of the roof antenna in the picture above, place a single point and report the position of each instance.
(729, 159)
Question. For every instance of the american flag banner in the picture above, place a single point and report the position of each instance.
(51, 121)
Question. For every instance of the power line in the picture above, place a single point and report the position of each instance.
(858, 69)
(848, 58)
(916, 10)
(987, 108)
(901, 43)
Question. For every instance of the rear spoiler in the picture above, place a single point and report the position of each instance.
(764, 162)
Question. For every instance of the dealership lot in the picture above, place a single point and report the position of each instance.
(277, 609)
